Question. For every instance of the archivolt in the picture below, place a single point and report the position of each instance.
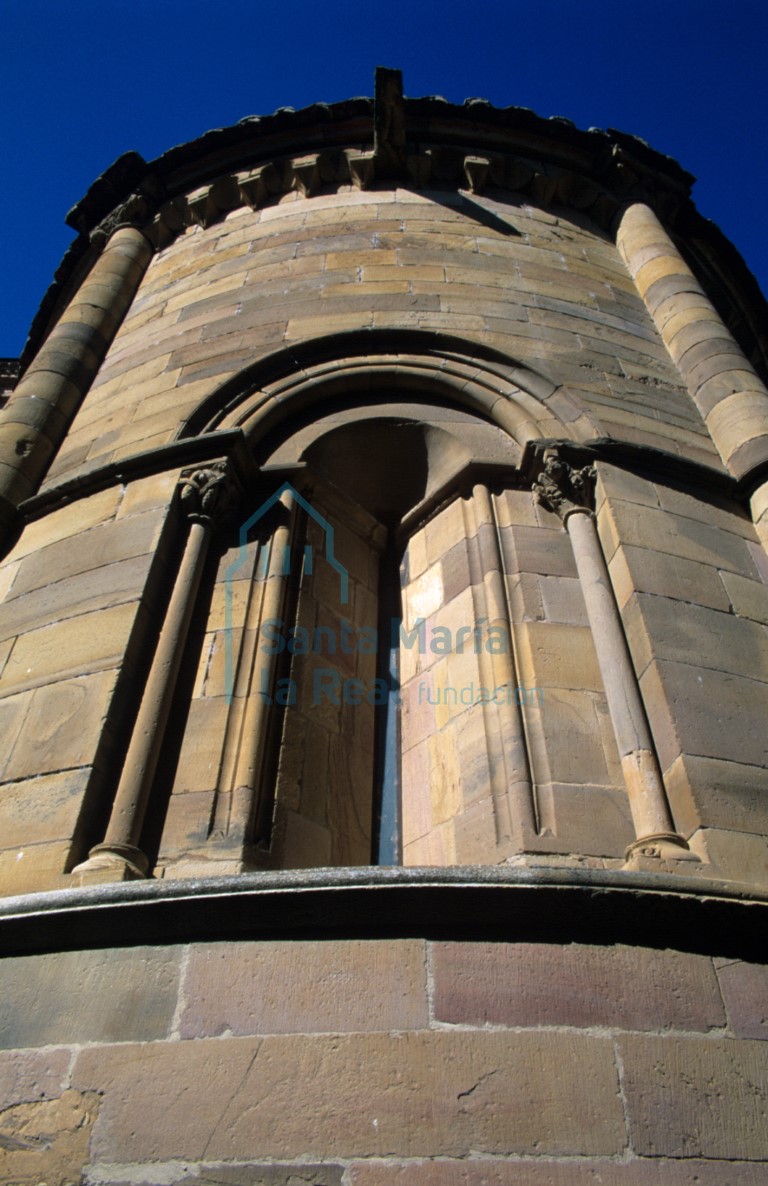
(522, 401)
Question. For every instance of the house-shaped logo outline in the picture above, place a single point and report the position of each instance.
(238, 563)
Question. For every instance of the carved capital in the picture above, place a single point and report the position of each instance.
(563, 489)
(208, 493)
(136, 211)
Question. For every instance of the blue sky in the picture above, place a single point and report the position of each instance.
(83, 81)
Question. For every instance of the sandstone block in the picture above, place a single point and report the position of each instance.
(47, 1140)
(222, 1173)
(697, 710)
(690, 1097)
(675, 535)
(745, 993)
(662, 628)
(718, 512)
(44, 807)
(124, 994)
(734, 856)
(541, 1171)
(304, 987)
(187, 821)
(145, 494)
(317, 1096)
(86, 644)
(621, 483)
(562, 600)
(558, 656)
(749, 599)
(645, 570)
(104, 544)
(529, 984)
(84, 592)
(729, 795)
(589, 819)
(528, 549)
(35, 867)
(711, 391)
(32, 1075)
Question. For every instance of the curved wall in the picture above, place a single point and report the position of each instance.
(421, 384)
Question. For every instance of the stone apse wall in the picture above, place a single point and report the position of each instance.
(294, 896)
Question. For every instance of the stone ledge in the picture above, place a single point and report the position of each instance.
(470, 903)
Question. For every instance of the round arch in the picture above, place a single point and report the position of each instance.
(521, 401)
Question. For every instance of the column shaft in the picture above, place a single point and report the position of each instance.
(35, 421)
(253, 738)
(724, 385)
(130, 804)
(647, 797)
(568, 492)
(202, 492)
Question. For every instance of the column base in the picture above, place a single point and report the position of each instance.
(667, 847)
(111, 862)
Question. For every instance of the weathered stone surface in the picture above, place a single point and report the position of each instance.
(304, 987)
(105, 543)
(529, 549)
(745, 993)
(558, 656)
(74, 647)
(568, 1172)
(717, 511)
(644, 570)
(430, 1094)
(664, 628)
(34, 867)
(697, 710)
(676, 535)
(187, 821)
(124, 994)
(735, 856)
(527, 984)
(221, 1174)
(62, 727)
(44, 807)
(32, 1075)
(47, 1140)
(749, 599)
(562, 600)
(62, 523)
(689, 1097)
(109, 585)
(728, 795)
(589, 819)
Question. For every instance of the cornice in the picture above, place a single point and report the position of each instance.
(472, 147)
